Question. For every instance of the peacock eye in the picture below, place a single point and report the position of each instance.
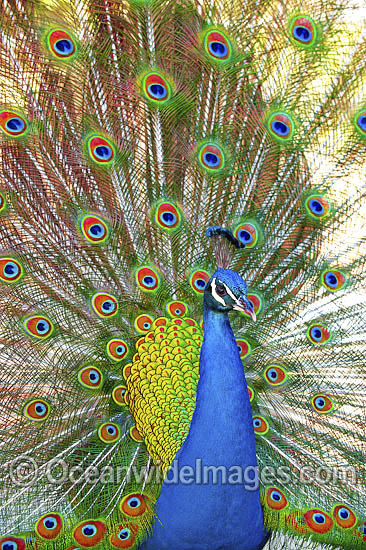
(221, 291)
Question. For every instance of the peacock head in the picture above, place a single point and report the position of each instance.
(226, 290)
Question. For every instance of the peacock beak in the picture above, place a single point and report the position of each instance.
(245, 307)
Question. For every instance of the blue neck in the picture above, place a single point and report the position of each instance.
(204, 514)
(222, 399)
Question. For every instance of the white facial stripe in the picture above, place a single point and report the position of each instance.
(238, 305)
(214, 293)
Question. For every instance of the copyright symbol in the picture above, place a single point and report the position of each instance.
(23, 471)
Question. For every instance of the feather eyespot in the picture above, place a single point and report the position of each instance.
(94, 229)
(124, 537)
(344, 516)
(198, 281)
(91, 378)
(248, 234)
(143, 323)
(156, 88)
(49, 526)
(260, 425)
(13, 124)
(317, 206)
(147, 279)
(303, 31)
(251, 394)
(211, 157)
(118, 395)
(177, 309)
(133, 505)
(333, 280)
(100, 149)
(217, 45)
(360, 122)
(89, 533)
(12, 543)
(318, 334)
(37, 410)
(109, 432)
(322, 403)
(2, 206)
(244, 348)
(61, 44)
(275, 498)
(275, 375)
(10, 270)
(104, 304)
(117, 349)
(167, 216)
(38, 326)
(318, 521)
(281, 126)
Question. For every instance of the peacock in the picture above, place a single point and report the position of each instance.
(182, 250)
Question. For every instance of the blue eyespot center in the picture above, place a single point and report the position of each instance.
(15, 124)
(211, 159)
(245, 236)
(103, 152)
(148, 281)
(42, 327)
(124, 534)
(316, 206)
(331, 279)
(276, 496)
(344, 513)
(8, 546)
(316, 333)
(169, 218)
(280, 128)
(89, 530)
(50, 523)
(218, 49)
(64, 46)
(96, 230)
(361, 121)
(200, 283)
(320, 402)
(158, 91)
(134, 502)
(11, 269)
(319, 518)
(108, 306)
(303, 34)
